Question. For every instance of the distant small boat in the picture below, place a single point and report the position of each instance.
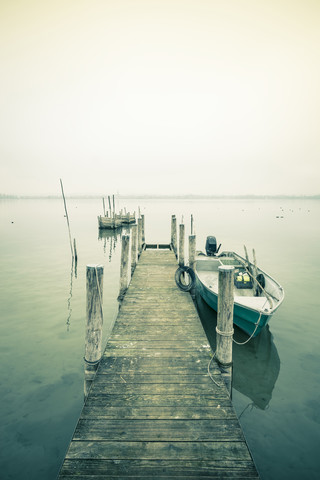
(126, 218)
(109, 222)
(256, 294)
(116, 220)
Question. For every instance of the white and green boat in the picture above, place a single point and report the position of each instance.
(256, 294)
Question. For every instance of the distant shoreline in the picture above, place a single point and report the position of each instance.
(166, 197)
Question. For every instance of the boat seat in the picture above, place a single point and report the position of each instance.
(260, 303)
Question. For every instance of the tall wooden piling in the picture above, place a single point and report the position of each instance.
(192, 251)
(124, 266)
(224, 327)
(93, 336)
(109, 201)
(134, 243)
(181, 244)
(143, 237)
(139, 236)
(174, 233)
(192, 258)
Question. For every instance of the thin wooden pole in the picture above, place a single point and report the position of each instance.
(75, 250)
(124, 266)
(67, 217)
(75, 257)
(191, 224)
(255, 271)
(181, 244)
(104, 207)
(109, 200)
(224, 327)
(134, 242)
(114, 206)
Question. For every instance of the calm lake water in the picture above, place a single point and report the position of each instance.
(276, 376)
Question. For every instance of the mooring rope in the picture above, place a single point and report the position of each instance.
(209, 373)
(254, 331)
(225, 334)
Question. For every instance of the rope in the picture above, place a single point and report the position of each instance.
(225, 334)
(209, 373)
(254, 331)
(92, 363)
(267, 294)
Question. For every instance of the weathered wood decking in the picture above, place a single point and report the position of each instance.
(153, 411)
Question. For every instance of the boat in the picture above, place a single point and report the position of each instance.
(109, 222)
(126, 218)
(256, 294)
(117, 220)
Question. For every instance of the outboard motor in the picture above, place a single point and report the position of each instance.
(211, 246)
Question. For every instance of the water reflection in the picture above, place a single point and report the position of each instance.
(110, 239)
(256, 365)
(74, 264)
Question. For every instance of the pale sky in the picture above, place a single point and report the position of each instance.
(167, 97)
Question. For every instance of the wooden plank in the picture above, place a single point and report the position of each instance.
(159, 468)
(149, 364)
(151, 378)
(176, 400)
(157, 430)
(153, 411)
(206, 451)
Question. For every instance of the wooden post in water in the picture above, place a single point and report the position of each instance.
(181, 244)
(192, 258)
(93, 339)
(134, 233)
(110, 206)
(139, 236)
(224, 327)
(124, 266)
(143, 237)
(174, 234)
(192, 251)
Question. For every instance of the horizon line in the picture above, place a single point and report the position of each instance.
(161, 196)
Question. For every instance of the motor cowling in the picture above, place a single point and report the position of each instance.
(211, 246)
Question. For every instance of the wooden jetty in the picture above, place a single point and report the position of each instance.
(153, 411)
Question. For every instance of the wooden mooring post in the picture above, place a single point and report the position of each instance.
(94, 322)
(224, 327)
(134, 243)
(192, 258)
(139, 236)
(124, 266)
(174, 234)
(181, 244)
(143, 237)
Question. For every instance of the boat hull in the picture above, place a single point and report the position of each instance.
(245, 318)
(109, 222)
